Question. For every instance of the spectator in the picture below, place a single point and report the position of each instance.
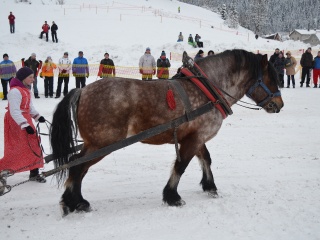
(199, 55)
(163, 65)
(147, 65)
(210, 53)
(54, 29)
(11, 18)
(274, 56)
(316, 70)
(180, 37)
(21, 145)
(80, 70)
(191, 42)
(64, 70)
(197, 39)
(179, 9)
(306, 64)
(45, 30)
(7, 72)
(106, 68)
(279, 66)
(35, 66)
(290, 65)
(47, 73)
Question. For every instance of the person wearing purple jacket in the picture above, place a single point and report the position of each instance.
(7, 72)
(80, 70)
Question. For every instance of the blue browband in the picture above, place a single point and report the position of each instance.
(265, 88)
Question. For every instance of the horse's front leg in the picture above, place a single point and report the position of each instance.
(187, 151)
(207, 180)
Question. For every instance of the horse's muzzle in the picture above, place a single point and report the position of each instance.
(273, 107)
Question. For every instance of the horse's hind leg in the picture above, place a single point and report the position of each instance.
(207, 180)
(187, 151)
(72, 199)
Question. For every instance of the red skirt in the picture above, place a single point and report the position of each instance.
(22, 151)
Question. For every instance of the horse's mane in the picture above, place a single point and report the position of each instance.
(249, 60)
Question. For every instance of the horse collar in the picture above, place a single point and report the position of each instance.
(212, 93)
(260, 83)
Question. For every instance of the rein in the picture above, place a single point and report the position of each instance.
(189, 65)
(226, 93)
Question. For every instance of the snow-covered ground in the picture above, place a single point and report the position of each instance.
(266, 166)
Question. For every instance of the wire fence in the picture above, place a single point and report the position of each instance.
(133, 71)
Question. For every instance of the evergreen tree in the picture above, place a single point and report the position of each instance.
(269, 16)
(233, 18)
(223, 12)
(259, 10)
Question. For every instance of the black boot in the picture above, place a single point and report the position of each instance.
(36, 96)
(34, 176)
(315, 86)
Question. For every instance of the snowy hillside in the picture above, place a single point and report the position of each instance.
(266, 166)
(124, 29)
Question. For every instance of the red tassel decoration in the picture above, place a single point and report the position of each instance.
(170, 99)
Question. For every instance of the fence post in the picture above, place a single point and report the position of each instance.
(96, 10)
(161, 19)
(64, 11)
(120, 17)
(170, 56)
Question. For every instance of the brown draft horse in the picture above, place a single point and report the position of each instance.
(113, 109)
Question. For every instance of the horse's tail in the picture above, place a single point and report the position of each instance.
(63, 131)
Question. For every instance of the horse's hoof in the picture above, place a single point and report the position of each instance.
(178, 203)
(83, 206)
(213, 194)
(65, 210)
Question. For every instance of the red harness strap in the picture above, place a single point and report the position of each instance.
(197, 82)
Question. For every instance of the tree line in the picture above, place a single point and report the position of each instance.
(265, 16)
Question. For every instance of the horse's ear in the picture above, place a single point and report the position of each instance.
(184, 55)
(186, 60)
(264, 61)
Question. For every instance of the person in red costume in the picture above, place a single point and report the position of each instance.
(22, 150)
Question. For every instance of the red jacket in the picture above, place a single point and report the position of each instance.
(45, 27)
(11, 18)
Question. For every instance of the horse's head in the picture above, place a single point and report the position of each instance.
(265, 91)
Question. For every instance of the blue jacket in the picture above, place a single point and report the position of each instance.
(80, 67)
(7, 70)
(316, 62)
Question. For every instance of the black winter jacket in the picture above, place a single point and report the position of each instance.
(279, 65)
(54, 27)
(274, 57)
(306, 60)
